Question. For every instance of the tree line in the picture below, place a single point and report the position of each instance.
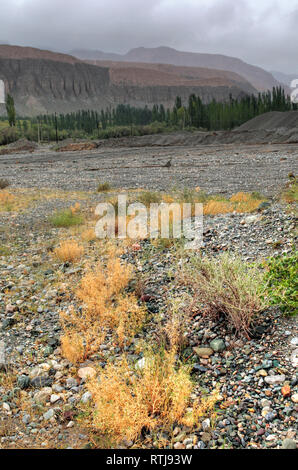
(195, 114)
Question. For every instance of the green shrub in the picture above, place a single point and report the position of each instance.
(66, 218)
(282, 282)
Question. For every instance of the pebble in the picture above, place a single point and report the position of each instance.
(49, 415)
(203, 352)
(218, 345)
(289, 444)
(86, 372)
(275, 379)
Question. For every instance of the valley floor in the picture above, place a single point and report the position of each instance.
(43, 396)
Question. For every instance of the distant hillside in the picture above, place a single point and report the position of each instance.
(44, 81)
(144, 74)
(259, 78)
(18, 52)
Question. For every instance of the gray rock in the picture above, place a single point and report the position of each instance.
(71, 382)
(49, 414)
(23, 381)
(3, 362)
(289, 444)
(275, 379)
(218, 345)
(86, 397)
(26, 419)
(43, 381)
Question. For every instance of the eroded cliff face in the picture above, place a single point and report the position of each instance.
(40, 86)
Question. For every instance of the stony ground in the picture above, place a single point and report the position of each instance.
(42, 394)
(218, 169)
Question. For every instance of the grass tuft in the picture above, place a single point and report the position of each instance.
(226, 286)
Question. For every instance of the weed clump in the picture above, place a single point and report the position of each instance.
(158, 395)
(290, 194)
(128, 401)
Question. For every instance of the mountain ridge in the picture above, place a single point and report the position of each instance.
(258, 77)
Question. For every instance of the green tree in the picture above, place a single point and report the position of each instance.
(10, 109)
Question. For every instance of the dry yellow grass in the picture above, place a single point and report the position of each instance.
(75, 208)
(69, 250)
(158, 395)
(106, 308)
(127, 401)
(88, 235)
(240, 203)
(7, 201)
(82, 335)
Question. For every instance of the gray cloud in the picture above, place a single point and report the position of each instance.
(262, 32)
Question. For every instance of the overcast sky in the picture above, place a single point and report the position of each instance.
(261, 32)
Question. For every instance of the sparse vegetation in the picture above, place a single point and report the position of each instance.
(88, 235)
(7, 201)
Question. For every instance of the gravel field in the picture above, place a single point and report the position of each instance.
(41, 393)
(216, 169)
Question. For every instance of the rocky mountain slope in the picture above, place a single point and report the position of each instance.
(43, 81)
(259, 78)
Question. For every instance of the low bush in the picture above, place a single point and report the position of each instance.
(9, 135)
(132, 400)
